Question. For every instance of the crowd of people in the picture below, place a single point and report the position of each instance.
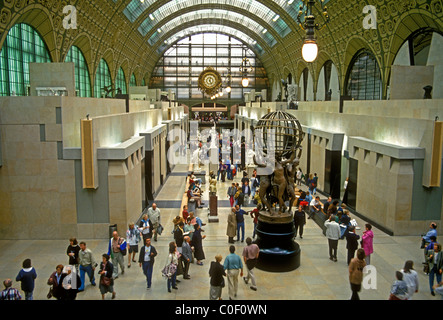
(187, 248)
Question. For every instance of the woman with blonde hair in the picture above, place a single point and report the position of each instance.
(216, 272)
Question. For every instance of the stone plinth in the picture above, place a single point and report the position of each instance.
(213, 208)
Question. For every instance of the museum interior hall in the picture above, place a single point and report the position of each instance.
(113, 110)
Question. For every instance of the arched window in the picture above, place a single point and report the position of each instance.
(103, 81)
(132, 82)
(364, 79)
(22, 45)
(82, 80)
(182, 63)
(120, 81)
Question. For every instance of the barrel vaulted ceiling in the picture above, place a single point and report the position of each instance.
(133, 34)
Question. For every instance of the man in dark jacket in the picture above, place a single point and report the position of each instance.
(186, 256)
(146, 260)
(351, 242)
(299, 221)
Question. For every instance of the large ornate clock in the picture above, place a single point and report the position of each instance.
(209, 81)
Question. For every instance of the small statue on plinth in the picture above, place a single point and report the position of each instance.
(212, 184)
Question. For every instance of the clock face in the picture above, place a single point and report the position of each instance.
(209, 81)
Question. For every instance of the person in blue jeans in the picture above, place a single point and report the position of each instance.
(239, 215)
(146, 260)
(87, 265)
(27, 276)
(435, 261)
(172, 260)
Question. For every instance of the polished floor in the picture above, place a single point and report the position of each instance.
(318, 278)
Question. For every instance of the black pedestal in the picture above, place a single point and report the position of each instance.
(275, 238)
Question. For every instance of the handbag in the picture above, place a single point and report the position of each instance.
(169, 270)
(160, 229)
(426, 268)
(50, 293)
(105, 281)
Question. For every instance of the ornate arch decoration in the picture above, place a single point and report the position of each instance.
(39, 18)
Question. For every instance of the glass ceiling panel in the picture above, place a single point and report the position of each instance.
(217, 15)
(136, 7)
(213, 29)
(292, 7)
(252, 6)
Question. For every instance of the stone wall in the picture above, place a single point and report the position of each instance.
(41, 191)
(387, 145)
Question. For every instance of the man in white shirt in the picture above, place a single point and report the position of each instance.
(154, 216)
(333, 234)
(315, 205)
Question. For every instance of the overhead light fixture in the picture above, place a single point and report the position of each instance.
(151, 16)
(228, 81)
(276, 18)
(245, 69)
(159, 30)
(310, 48)
(264, 31)
(290, 1)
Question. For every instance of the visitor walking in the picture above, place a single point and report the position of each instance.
(356, 267)
(186, 256)
(146, 260)
(56, 289)
(333, 234)
(351, 242)
(154, 216)
(217, 282)
(106, 283)
(367, 242)
(72, 252)
(132, 239)
(27, 276)
(250, 257)
(435, 262)
(231, 229)
(116, 250)
(172, 264)
(299, 221)
(410, 276)
(234, 267)
(197, 242)
(399, 289)
(87, 265)
(239, 215)
(9, 293)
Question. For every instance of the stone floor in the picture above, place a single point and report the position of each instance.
(318, 278)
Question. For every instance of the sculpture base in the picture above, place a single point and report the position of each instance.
(275, 238)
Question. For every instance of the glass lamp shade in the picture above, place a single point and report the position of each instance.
(309, 50)
(228, 89)
(245, 82)
(221, 94)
